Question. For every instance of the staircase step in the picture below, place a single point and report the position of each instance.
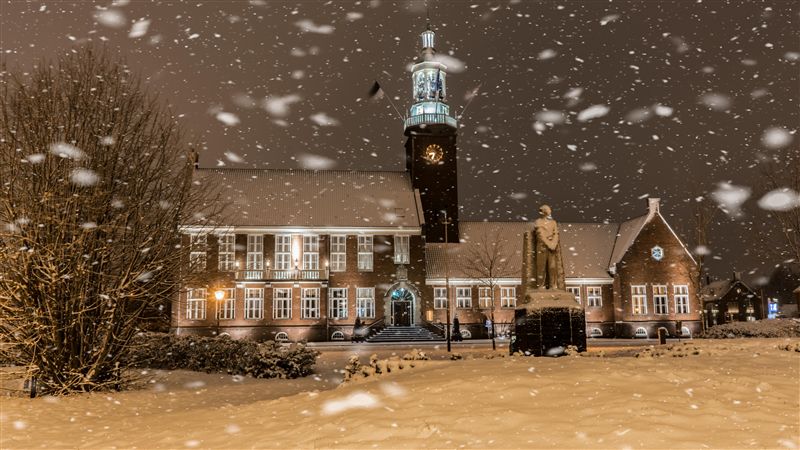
(405, 334)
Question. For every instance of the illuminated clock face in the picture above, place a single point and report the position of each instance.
(433, 153)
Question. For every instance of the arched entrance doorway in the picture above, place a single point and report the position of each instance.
(402, 307)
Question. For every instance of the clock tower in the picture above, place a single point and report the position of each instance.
(431, 144)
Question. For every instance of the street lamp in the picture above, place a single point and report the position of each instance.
(219, 294)
(446, 221)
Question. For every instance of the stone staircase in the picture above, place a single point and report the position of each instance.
(405, 334)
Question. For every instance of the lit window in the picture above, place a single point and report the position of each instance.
(337, 336)
(485, 297)
(309, 303)
(254, 303)
(681, 299)
(338, 261)
(660, 299)
(640, 333)
(226, 252)
(196, 304)
(365, 302)
(227, 306)
(338, 303)
(594, 296)
(596, 332)
(255, 252)
(440, 298)
(282, 303)
(197, 252)
(283, 252)
(508, 297)
(365, 253)
(401, 250)
(463, 297)
(576, 291)
(281, 336)
(311, 252)
(466, 334)
(639, 299)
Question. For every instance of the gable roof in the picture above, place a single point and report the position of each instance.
(585, 248)
(588, 250)
(720, 288)
(310, 198)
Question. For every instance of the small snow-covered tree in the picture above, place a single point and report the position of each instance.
(94, 181)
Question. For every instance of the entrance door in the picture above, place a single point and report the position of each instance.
(402, 307)
(402, 314)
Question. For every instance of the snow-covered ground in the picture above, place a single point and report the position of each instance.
(721, 394)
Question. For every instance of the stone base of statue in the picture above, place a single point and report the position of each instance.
(547, 323)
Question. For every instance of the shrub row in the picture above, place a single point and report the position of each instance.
(220, 354)
(758, 329)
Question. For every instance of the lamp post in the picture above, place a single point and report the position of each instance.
(446, 221)
(219, 294)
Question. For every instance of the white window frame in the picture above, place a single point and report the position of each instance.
(440, 298)
(463, 297)
(660, 299)
(255, 252)
(253, 303)
(227, 306)
(198, 245)
(681, 296)
(402, 249)
(337, 303)
(196, 303)
(309, 303)
(639, 299)
(282, 303)
(226, 252)
(365, 302)
(338, 254)
(576, 291)
(485, 297)
(283, 252)
(508, 297)
(310, 252)
(366, 249)
(594, 296)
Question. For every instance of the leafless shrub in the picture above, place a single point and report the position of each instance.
(94, 181)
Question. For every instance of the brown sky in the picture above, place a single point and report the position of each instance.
(691, 88)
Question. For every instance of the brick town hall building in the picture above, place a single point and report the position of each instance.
(304, 253)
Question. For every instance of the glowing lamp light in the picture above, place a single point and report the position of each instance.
(219, 295)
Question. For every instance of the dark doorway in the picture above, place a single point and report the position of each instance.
(401, 314)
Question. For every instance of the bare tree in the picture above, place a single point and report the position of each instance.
(95, 181)
(488, 260)
(781, 171)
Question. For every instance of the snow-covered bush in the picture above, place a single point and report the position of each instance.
(205, 354)
(758, 329)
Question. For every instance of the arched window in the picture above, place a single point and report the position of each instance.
(595, 332)
(466, 334)
(685, 332)
(337, 336)
(641, 333)
(281, 336)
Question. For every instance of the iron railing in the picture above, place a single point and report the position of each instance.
(279, 275)
(431, 118)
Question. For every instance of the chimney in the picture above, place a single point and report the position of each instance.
(195, 158)
(653, 205)
(737, 276)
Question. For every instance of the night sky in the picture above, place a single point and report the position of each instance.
(688, 96)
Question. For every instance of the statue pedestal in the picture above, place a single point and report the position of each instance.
(548, 322)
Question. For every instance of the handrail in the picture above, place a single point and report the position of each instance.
(431, 118)
(434, 328)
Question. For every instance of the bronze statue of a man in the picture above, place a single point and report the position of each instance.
(543, 253)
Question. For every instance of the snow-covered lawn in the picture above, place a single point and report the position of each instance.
(733, 394)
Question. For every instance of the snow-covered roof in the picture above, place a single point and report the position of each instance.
(585, 247)
(313, 198)
(717, 289)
